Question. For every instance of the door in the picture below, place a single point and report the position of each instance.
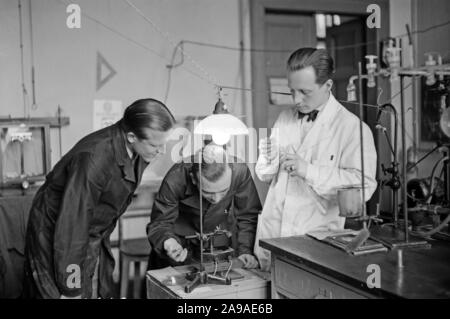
(284, 34)
(343, 43)
(263, 112)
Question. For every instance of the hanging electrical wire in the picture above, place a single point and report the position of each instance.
(206, 76)
(341, 47)
(212, 80)
(33, 84)
(170, 67)
(215, 83)
(131, 40)
(22, 64)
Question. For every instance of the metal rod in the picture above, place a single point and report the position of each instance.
(201, 206)
(414, 115)
(24, 90)
(388, 141)
(447, 176)
(242, 63)
(395, 207)
(22, 159)
(404, 161)
(394, 164)
(362, 145)
(59, 131)
(33, 88)
(424, 157)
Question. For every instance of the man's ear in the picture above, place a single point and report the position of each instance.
(131, 137)
(329, 84)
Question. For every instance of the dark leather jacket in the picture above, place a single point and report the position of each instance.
(176, 209)
(74, 213)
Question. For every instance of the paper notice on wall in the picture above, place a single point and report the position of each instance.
(106, 113)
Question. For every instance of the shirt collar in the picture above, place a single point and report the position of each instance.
(319, 109)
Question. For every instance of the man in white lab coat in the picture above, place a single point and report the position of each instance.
(313, 151)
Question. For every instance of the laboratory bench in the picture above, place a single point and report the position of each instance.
(252, 284)
(303, 267)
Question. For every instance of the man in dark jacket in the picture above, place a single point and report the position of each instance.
(230, 202)
(74, 213)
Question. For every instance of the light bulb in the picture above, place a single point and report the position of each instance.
(221, 138)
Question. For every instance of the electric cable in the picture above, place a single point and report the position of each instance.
(22, 64)
(129, 39)
(359, 44)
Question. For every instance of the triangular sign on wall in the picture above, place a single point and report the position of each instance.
(101, 64)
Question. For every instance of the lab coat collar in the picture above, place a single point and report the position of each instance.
(326, 116)
(329, 111)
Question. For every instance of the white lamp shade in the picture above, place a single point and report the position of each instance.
(221, 124)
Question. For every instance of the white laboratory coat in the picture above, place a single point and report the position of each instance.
(296, 206)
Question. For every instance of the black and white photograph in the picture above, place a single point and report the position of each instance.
(240, 151)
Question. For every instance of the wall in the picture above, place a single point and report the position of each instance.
(419, 16)
(65, 62)
(400, 15)
(428, 14)
(65, 59)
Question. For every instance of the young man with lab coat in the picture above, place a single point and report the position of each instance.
(313, 151)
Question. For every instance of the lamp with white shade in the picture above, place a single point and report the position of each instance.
(220, 125)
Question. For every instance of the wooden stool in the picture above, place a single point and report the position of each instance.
(133, 251)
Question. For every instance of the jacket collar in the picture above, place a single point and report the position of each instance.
(119, 144)
(122, 158)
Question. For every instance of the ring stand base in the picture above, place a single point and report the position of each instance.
(202, 278)
(394, 237)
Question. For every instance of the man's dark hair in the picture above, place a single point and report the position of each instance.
(319, 59)
(212, 169)
(147, 113)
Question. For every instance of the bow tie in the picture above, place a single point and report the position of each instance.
(311, 115)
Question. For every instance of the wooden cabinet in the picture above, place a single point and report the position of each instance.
(303, 267)
(293, 280)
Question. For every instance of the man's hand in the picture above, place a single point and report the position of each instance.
(294, 164)
(248, 260)
(174, 250)
(268, 149)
